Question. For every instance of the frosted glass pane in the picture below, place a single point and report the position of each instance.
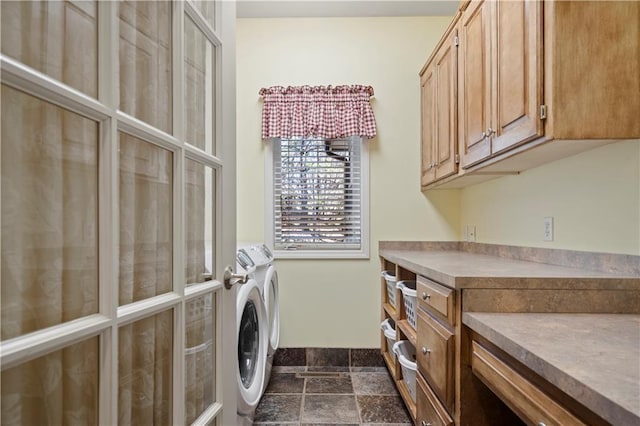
(49, 215)
(146, 215)
(200, 380)
(199, 222)
(57, 38)
(60, 388)
(199, 67)
(145, 372)
(145, 61)
(208, 9)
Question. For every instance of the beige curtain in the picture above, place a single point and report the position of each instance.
(145, 347)
(49, 213)
(199, 312)
(146, 214)
(199, 356)
(49, 256)
(195, 270)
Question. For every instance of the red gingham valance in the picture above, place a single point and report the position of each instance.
(318, 111)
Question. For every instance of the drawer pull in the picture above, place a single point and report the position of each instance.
(425, 296)
(541, 424)
(428, 423)
(428, 351)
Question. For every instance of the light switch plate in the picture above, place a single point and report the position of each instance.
(548, 228)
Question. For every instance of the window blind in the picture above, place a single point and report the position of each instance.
(317, 194)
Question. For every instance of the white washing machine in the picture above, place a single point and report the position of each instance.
(251, 325)
(267, 277)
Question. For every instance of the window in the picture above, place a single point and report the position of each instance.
(318, 197)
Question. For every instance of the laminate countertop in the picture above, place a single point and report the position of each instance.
(458, 269)
(594, 358)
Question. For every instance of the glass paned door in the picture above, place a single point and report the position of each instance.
(118, 212)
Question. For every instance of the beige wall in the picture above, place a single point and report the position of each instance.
(593, 197)
(328, 303)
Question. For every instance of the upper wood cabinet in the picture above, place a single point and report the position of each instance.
(439, 91)
(533, 75)
(500, 77)
(517, 73)
(475, 83)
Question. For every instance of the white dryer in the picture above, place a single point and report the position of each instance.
(267, 277)
(251, 326)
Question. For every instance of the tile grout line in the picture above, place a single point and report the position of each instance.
(302, 400)
(355, 395)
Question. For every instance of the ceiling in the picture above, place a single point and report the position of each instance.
(344, 8)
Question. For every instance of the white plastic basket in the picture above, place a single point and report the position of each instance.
(391, 286)
(409, 297)
(406, 354)
(389, 330)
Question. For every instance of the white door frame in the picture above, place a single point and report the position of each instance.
(228, 215)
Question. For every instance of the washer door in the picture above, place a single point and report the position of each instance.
(252, 345)
(271, 298)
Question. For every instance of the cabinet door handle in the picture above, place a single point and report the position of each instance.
(484, 135)
(425, 350)
(425, 423)
(425, 296)
(490, 132)
(541, 424)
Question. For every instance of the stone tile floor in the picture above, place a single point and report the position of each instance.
(331, 396)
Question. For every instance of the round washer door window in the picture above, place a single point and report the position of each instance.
(248, 344)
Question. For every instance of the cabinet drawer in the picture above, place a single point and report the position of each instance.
(429, 410)
(435, 356)
(436, 296)
(522, 396)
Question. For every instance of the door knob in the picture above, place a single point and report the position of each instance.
(231, 278)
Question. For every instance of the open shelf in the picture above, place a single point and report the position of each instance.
(408, 331)
(406, 396)
(388, 359)
(391, 311)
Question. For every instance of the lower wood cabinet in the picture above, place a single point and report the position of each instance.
(437, 297)
(435, 356)
(464, 380)
(430, 411)
(527, 400)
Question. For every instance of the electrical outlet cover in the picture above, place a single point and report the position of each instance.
(548, 228)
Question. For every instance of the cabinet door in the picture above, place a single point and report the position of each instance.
(429, 410)
(475, 83)
(428, 123)
(446, 107)
(517, 68)
(435, 357)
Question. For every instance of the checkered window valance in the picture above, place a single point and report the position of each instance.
(317, 111)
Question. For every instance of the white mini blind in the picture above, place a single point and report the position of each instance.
(317, 187)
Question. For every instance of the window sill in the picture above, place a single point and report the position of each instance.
(321, 254)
